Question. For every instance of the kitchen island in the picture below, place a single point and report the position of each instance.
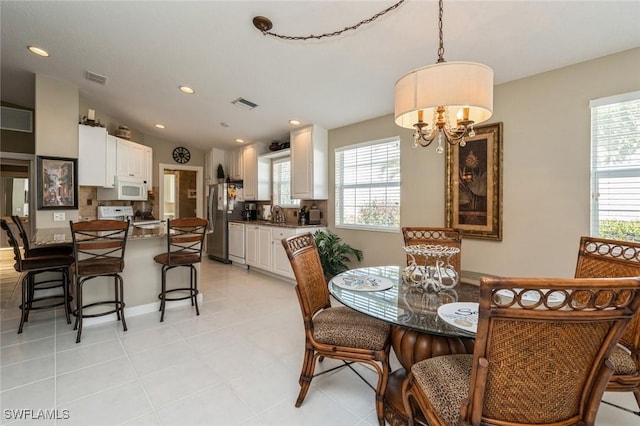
(142, 275)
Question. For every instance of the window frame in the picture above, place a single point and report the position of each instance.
(295, 203)
(611, 172)
(339, 187)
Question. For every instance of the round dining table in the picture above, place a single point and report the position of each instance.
(417, 332)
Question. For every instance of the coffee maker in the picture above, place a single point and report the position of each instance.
(250, 212)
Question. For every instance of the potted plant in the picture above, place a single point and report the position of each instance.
(334, 253)
(220, 174)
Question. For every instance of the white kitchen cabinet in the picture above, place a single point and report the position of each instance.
(258, 246)
(148, 165)
(264, 248)
(212, 158)
(130, 158)
(257, 174)
(309, 163)
(234, 164)
(96, 157)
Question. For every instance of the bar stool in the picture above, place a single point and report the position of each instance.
(98, 247)
(31, 266)
(185, 239)
(63, 249)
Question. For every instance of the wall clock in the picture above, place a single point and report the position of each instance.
(181, 155)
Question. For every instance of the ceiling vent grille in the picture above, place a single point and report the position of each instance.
(244, 104)
(100, 79)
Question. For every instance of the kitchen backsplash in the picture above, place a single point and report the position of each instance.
(88, 204)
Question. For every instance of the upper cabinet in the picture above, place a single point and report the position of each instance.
(96, 157)
(309, 163)
(101, 157)
(212, 158)
(256, 174)
(234, 164)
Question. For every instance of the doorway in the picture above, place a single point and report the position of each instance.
(181, 193)
(17, 184)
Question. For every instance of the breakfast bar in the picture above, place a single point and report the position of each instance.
(142, 276)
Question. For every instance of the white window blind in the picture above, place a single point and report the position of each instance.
(281, 173)
(367, 178)
(615, 167)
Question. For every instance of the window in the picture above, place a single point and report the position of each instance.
(368, 185)
(281, 173)
(615, 167)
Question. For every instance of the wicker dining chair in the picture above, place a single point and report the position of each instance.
(334, 332)
(604, 258)
(542, 354)
(448, 237)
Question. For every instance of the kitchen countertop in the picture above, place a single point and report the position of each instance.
(46, 236)
(278, 224)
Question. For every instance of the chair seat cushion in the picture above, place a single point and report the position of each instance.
(444, 380)
(341, 326)
(92, 267)
(51, 250)
(623, 362)
(178, 258)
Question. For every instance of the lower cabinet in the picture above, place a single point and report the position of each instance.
(264, 248)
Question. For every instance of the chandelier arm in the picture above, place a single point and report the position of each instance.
(426, 138)
(265, 29)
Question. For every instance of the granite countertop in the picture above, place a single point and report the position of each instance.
(46, 236)
(278, 224)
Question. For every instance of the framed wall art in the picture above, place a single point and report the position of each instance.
(474, 184)
(57, 184)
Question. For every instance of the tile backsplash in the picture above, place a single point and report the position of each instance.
(88, 203)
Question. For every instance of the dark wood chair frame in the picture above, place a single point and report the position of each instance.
(99, 249)
(602, 306)
(45, 250)
(185, 240)
(313, 296)
(32, 266)
(448, 237)
(606, 258)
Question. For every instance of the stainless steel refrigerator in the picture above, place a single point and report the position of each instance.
(223, 205)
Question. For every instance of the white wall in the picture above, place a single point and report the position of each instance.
(56, 128)
(546, 171)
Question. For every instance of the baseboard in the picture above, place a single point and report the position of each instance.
(135, 311)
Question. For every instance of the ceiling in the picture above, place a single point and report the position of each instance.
(147, 49)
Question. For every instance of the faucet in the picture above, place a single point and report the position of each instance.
(277, 214)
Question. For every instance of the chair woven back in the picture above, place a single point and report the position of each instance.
(447, 237)
(542, 347)
(185, 240)
(311, 287)
(13, 242)
(99, 245)
(603, 258)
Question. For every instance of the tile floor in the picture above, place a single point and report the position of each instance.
(236, 364)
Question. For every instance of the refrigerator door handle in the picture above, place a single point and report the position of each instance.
(212, 214)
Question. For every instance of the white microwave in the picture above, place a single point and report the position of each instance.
(125, 188)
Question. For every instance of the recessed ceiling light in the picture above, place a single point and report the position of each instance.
(37, 51)
(160, 126)
(294, 122)
(186, 89)
(240, 140)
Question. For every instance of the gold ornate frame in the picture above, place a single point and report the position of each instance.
(474, 184)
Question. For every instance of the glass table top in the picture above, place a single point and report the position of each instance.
(405, 304)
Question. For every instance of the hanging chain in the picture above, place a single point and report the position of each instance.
(441, 48)
(336, 33)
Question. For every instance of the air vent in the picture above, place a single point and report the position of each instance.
(100, 79)
(18, 120)
(244, 104)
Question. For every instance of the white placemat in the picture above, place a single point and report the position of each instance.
(362, 282)
(462, 315)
